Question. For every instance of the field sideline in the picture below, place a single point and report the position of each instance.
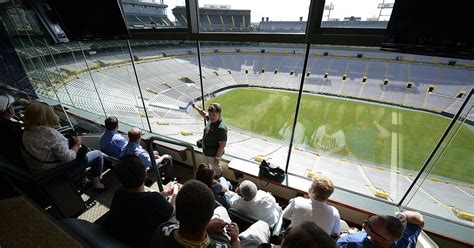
(372, 132)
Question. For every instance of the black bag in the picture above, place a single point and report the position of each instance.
(199, 143)
(81, 153)
(272, 174)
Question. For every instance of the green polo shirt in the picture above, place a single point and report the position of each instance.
(213, 133)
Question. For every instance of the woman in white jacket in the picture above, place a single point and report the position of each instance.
(45, 148)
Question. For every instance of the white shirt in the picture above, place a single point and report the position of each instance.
(262, 207)
(329, 142)
(48, 145)
(299, 137)
(302, 209)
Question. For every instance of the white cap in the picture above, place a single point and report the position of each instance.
(5, 102)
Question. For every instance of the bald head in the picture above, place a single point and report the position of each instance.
(134, 135)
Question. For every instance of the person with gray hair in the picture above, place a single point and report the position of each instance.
(255, 203)
(382, 231)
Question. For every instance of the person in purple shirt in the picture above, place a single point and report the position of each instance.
(381, 231)
(111, 142)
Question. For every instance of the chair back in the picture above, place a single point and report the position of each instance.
(243, 220)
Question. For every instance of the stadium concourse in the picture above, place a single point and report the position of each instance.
(169, 80)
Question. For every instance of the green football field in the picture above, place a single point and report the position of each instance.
(377, 133)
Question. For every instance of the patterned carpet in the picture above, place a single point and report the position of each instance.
(104, 199)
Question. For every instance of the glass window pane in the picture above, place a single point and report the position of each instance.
(95, 77)
(253, 16)
(169, 77)
(257, 89)
(445, 188)
(357, 14)
(369, 119)
(109, 74)
(150, 14)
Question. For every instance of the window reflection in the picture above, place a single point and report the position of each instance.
(361, 130)
(453, 196)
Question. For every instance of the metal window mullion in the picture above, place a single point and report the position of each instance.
(138, 84)
(200, 76)
(133, 90)
(92, 79)
(59, 74)
(298, 103)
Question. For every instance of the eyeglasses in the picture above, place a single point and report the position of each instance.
(371, 231)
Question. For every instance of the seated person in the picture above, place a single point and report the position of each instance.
(111, 142)
(198, 228)
(133, 147)
(44, 148)
(255, 203)
(10, 131)
(386, 231)
(134, 213)
(206, 175)
(308, 235)
(315, 208)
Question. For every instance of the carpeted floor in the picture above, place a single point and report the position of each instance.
(104, 199)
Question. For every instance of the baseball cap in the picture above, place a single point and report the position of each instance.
(5, 102)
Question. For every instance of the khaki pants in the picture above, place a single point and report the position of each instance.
(209, 161)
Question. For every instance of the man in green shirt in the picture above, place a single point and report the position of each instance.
(214, 138)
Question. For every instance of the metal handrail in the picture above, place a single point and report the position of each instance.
(150, 138)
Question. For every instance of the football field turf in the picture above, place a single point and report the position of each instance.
(381, 134)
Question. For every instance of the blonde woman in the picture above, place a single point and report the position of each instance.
(45, 148)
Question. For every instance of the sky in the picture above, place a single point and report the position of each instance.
(279, 10)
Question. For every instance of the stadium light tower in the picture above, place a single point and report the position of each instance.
(383, 5)
(329, 8)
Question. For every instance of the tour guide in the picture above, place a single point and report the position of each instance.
(214, 138)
